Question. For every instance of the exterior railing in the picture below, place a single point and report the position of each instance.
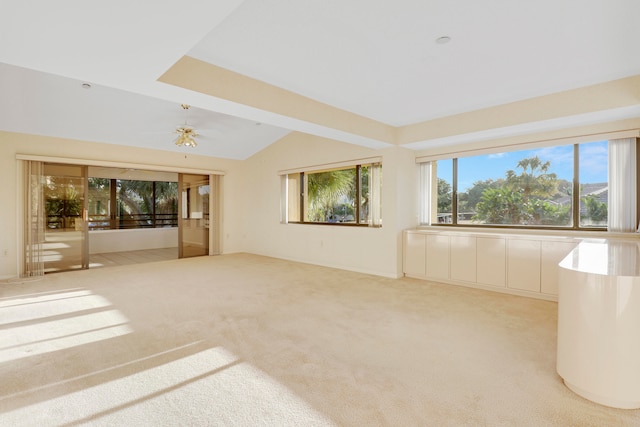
(98, 222)
(104, 222)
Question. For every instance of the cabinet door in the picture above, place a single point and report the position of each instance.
(438, 256)
(523, 265)
(415, 254)
(491, 263)
(552, 254)
(463, 258)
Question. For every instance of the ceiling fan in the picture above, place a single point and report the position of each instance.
(186, 133)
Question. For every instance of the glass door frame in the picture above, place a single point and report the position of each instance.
(80, 222)
(209, 221)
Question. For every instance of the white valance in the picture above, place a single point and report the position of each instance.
(333, 166)
(457, 153)
(110, 164)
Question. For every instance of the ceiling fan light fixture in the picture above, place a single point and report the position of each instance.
(186, 141)
(186, 133)
(186, 137)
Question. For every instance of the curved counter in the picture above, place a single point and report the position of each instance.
(599, 322)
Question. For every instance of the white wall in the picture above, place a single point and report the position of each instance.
(251, 200)
(14, 143)
(371, 250)
(107, 241)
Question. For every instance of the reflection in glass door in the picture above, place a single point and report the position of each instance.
(65, 194)
(193, 228)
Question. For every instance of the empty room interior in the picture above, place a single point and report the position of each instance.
(340, 213)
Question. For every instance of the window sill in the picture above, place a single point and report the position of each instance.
(334, 224)
(495, 231)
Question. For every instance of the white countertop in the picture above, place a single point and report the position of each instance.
(606, 257)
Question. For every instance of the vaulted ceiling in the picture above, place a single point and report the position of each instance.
(359, 71)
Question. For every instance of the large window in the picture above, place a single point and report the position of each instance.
(124, 204)
(563, 186)
(341, 196)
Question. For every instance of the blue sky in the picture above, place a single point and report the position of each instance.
(593, 164)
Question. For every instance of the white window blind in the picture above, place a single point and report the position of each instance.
(424, 213)
(622, 185)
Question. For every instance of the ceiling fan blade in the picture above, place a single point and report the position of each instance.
(210, 130)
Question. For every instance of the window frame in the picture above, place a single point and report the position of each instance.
(300, 176)
(575, 196)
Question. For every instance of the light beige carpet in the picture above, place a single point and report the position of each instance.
(243, 340)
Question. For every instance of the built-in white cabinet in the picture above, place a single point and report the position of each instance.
(463, 258)
(438, 256)
(490, 257)
(415, 255)
(523, 264)
(518, 264)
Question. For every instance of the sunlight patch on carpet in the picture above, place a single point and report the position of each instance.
(31, 340)
(65, 304)
(211, 387)
(42, 323)
(42, 296)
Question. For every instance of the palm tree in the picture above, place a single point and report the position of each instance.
(534, 180)
(524, 198)
(324, 190)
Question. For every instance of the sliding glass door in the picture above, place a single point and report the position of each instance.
(65, 227)
(193, 213)
(58, 198)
